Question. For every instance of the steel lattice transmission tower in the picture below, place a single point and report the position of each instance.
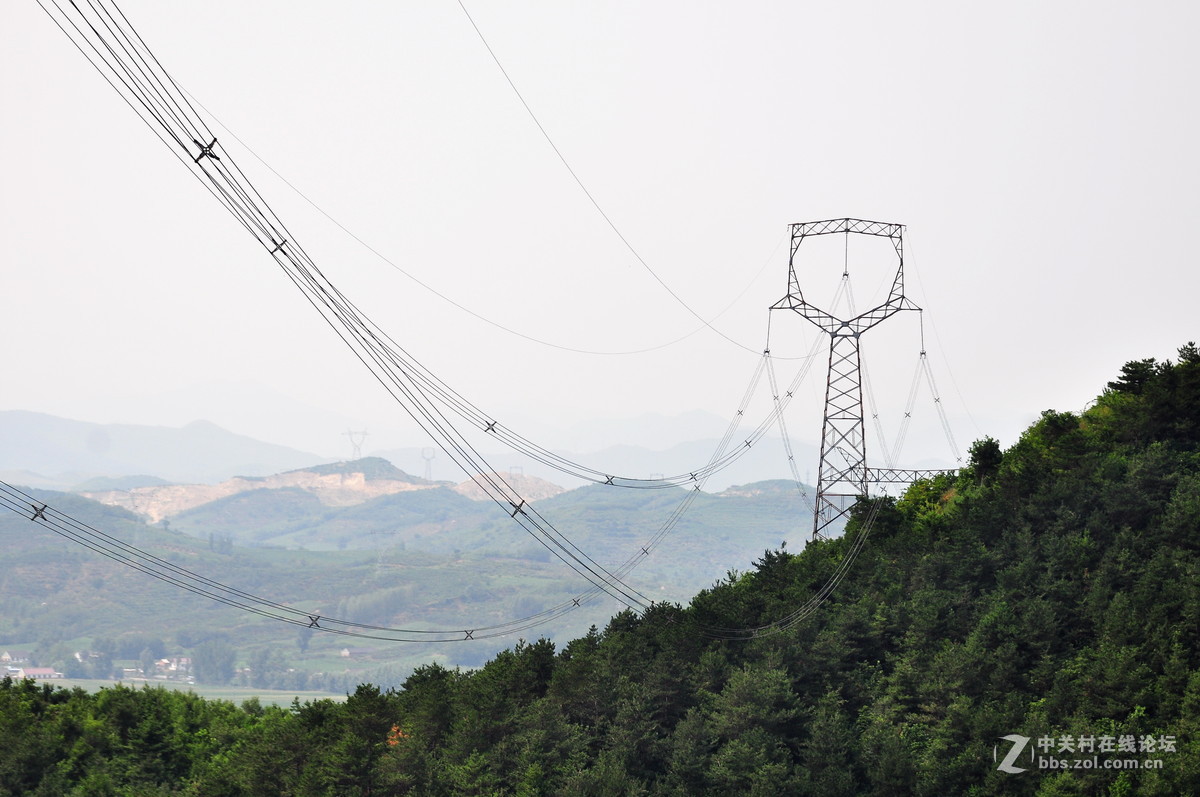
(843, 475)
(356, 442)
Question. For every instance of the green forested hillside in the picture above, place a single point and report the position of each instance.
(420, 559)
(1050, 592)
(441, 520)
(291, 517)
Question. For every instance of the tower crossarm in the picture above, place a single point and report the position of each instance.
(832, 325)
(902, 475)
(883, 229)
(828, 322)
(864, 321)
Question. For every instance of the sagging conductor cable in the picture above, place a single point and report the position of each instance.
(49, 517)
(222, 177)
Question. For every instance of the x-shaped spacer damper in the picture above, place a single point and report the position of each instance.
(206, 150)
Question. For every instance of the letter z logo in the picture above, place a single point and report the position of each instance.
(1018, 745)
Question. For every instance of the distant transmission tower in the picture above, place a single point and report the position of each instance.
(428, 455)
(843, 474)
(356, 442)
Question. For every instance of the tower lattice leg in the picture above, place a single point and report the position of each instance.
(843, 469)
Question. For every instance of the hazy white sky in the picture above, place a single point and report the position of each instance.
(1041, 154)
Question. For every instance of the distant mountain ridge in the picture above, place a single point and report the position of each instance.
(61, 452)
(765, 461)
(337, 484)
(371, 468)
(45, 451)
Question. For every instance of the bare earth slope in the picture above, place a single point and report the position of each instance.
(338, 485)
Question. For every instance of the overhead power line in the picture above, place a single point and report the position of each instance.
(459, 305)
(590, 197)
(110, 44)
(101, 32)
(21, 503)
(104, 36)
(195, 145)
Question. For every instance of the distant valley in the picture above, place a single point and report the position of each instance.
(362, 540)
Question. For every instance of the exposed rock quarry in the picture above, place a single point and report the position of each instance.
(338, 484)
(331, 489)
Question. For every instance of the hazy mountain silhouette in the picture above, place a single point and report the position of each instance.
(63, 452)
